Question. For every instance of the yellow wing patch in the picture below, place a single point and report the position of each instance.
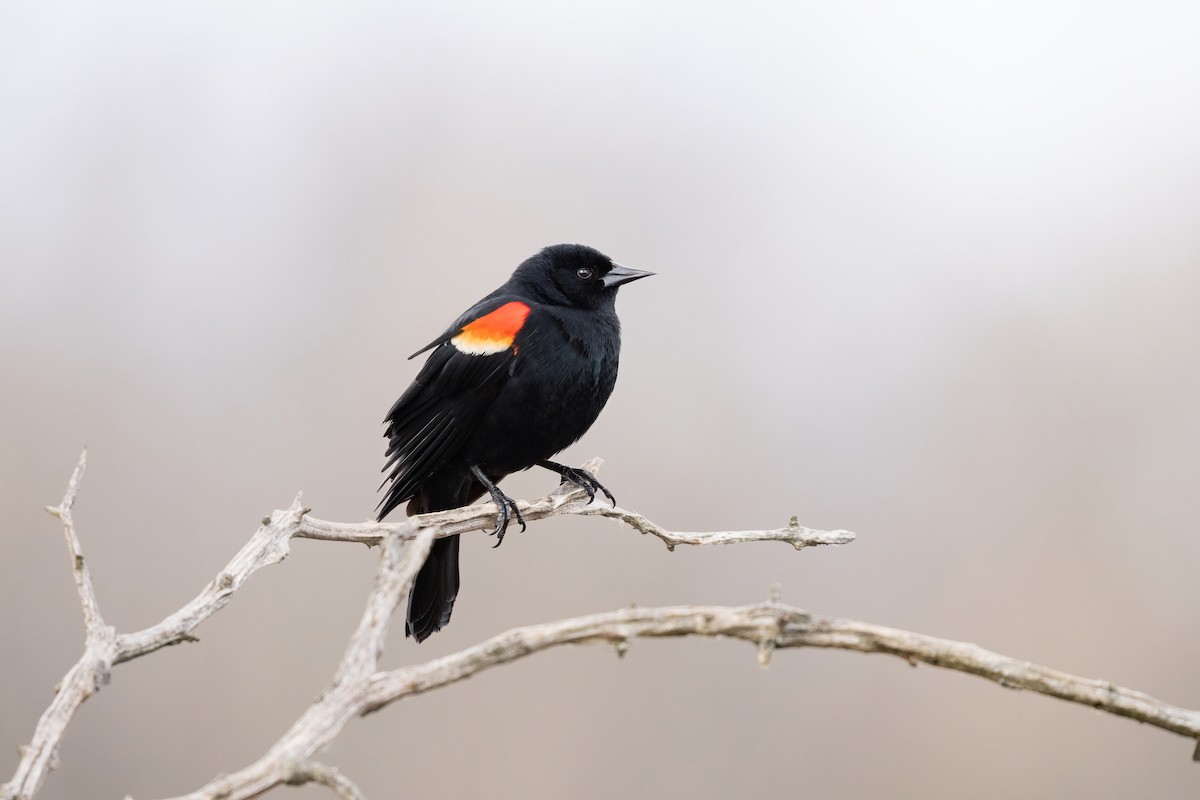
(494, 332)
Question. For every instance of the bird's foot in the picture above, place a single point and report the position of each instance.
(504, 504)
(582, 478)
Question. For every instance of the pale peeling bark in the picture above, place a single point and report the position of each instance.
(359, 688)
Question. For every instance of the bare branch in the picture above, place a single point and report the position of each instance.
(338, 704)
(359, 688)
(772, 626)
(93, 622)
(794, 534)
(397, 569)
(768, 626)
(270, 544)
(313, 772)
(568, 499)
(84, 679)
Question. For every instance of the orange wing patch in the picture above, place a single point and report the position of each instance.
(494, 332)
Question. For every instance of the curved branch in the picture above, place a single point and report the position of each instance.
(768, 626)
(270, 544)
(772, 626)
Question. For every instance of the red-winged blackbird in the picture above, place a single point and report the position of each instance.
(521, 375)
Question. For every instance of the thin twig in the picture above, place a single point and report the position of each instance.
(92, 620)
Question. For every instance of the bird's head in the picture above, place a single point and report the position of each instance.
(573, 275)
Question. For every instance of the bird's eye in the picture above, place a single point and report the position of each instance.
(584, 273)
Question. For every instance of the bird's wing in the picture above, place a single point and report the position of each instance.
(469, 365)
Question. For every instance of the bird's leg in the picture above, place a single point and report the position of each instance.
(580, 477)
(503, 503)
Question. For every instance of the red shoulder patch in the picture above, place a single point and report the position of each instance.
(494, 332)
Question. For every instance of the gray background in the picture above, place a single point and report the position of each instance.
(928, 271)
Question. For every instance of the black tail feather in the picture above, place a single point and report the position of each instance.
(432, 597)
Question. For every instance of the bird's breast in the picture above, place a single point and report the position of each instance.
(562, 377)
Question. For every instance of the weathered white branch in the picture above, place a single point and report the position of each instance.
(568, 499)
(769, 626)
(772, 626)
(326, 717)
(270, 544)
(313, 772)
(92, 620)
(84, 679)
(359, 688)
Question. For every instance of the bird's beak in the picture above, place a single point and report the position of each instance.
(619, 274)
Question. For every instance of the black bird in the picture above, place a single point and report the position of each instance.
(518, 377)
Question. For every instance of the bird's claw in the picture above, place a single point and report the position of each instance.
(504, 503)
(587, 481)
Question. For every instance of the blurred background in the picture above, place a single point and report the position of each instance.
(927, 271)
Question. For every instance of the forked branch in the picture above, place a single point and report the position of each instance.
(270, 544)
(359, 688)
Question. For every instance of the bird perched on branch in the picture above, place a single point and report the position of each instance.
(517, 378)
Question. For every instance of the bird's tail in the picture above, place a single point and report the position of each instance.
(432, 597)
